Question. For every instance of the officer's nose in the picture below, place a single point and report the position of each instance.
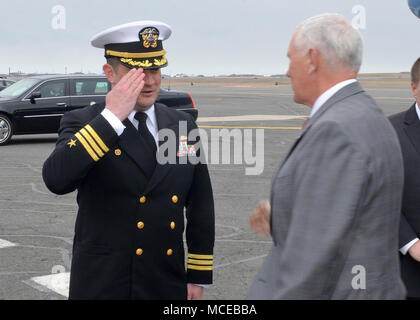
(148, 78)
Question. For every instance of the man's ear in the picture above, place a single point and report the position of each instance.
(109, 72)
(414, 90)
(314, 60)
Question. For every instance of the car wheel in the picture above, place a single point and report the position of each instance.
(6, 129)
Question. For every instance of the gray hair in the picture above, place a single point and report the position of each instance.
(338, 42)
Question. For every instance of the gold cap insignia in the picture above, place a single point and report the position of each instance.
(149, 36)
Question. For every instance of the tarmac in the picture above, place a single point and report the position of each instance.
(37, 227)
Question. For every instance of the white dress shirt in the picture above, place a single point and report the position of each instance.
(405, 249)
(328, 94)
(119, 127)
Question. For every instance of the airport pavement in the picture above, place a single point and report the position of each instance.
(36, 227)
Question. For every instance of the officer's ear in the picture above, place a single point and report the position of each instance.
(414, 89)
(109, 72)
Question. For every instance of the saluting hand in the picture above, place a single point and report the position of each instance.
(259, 220)
(121, 100)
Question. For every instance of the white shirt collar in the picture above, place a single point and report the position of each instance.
(151, 121)
(328, 94)
(151, 117)
(418, 110)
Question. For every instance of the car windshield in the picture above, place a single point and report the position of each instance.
(18, 87)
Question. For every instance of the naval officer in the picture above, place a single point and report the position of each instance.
(128, 241)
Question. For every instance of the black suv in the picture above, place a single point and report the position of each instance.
(35, 105)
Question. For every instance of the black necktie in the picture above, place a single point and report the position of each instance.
(141, 117)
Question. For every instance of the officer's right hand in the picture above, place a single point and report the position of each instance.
(121, 100)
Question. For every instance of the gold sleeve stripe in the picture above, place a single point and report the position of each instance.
(92, 143)
(87, 146)
(96, 137)
(201, 268)
(200, 256)
(201, 262)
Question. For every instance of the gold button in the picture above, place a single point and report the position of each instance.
(174, 199)
(139, 252)
(140, 225)
(117, 152)
(169, 252)
(172, 225)
(143, 199)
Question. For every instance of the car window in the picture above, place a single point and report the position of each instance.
(19, 87)
(52, 89)
(90, 87)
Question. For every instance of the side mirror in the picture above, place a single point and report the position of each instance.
(35, 95)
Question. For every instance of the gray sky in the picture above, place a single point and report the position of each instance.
(208, 37)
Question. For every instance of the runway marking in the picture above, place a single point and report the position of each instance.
(387, 89)
(236, 230)
(36, 202)
(239, 261)
(6, 244)
(65, 253)
(24, 166)
(65, 239)
(14, 185)
(245, 241)
(18, 177)
(249, 195)
(58, 283)
(240, 127)
(252, 117)
(35, 169)
(20, 272)
(36, 211)
(393, 98)
(33, 186)
(35, 189)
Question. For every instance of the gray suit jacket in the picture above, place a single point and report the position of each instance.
(335, 208)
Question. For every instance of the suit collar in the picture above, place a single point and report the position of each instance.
(345, 92)
(328, 94)
(164, 121)
(412, 128)
(163, 118)
(411, 116)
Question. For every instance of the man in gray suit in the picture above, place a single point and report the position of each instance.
(335, 200)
